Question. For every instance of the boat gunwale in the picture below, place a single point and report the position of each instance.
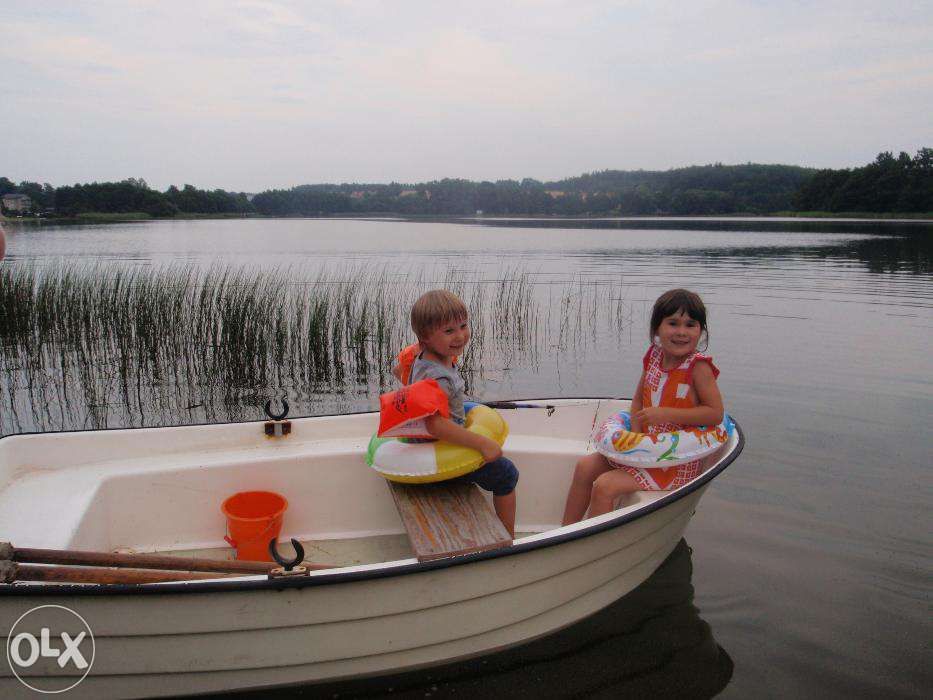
(388, 571)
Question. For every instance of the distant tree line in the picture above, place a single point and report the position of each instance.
(131, 195)
(710, 189)
(889, 184)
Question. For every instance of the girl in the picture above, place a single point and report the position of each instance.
(677, 389)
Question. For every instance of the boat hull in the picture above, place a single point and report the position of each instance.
(352, 621)
(173, 644)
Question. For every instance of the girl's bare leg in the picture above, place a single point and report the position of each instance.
(608, 487)
(505, 509)
(588, 469)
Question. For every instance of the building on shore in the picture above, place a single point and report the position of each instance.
(16, 203)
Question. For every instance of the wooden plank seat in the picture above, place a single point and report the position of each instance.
(447, 519)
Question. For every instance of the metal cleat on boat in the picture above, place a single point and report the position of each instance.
(278, 426)
(288, 568)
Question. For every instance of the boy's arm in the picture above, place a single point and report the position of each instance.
(445, 429)
(708, 412)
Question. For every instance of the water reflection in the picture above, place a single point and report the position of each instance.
(788, 225)
(884, 254)
(651, 643)
(900, 246)
(905, 254)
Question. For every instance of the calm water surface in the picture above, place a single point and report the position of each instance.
(811, 555)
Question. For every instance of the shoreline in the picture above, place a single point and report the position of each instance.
(130, 217)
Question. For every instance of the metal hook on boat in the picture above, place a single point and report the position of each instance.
(277, 427)
(277, 416)
(284, 563)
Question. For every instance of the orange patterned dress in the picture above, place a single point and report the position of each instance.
(669, 389)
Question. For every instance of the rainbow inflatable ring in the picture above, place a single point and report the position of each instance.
(435, 460)
(615, 440)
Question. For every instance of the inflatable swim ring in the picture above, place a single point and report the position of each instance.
(615, 440)
(424, 462)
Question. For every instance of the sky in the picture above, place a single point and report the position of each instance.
(248, 95)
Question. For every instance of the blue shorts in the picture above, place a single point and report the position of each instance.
(500, 477)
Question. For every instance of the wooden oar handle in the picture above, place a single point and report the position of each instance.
(11, 572)
(138, 561)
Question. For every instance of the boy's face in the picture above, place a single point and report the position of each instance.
(448, 339)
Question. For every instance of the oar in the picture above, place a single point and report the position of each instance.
(139, 561)
(11, 572)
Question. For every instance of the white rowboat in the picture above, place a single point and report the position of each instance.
(379, 610)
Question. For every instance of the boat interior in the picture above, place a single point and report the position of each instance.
(159, 490)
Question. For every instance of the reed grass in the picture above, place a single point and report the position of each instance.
(94, 345)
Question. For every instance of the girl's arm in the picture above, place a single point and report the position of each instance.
(445, 429)
(708, 411)
(637, 423)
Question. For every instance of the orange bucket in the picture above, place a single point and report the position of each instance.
(253, 518)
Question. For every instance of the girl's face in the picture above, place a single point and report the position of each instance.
(679, 335)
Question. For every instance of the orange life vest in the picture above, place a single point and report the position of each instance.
(406, 358)
(402, 412)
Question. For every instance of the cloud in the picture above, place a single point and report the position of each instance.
(254, 93)
(267, 18)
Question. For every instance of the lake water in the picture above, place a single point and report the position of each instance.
(810, 567)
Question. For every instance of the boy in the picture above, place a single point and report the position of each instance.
(439, 320)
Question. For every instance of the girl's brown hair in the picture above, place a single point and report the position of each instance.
(434, 308)
(673, 301)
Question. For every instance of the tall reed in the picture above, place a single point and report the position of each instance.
(93, 345)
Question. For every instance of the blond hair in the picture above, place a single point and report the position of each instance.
(434, 308)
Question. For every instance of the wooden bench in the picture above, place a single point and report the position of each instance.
(447, 519)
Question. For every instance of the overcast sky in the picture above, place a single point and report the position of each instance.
(252, 94)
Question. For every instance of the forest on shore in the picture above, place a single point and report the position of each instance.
(901, 184)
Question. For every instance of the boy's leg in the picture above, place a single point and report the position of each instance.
(505, 509)
(588, 469)
(500, 477)
(608, 487)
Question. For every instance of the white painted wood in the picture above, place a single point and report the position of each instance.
(160, 490)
